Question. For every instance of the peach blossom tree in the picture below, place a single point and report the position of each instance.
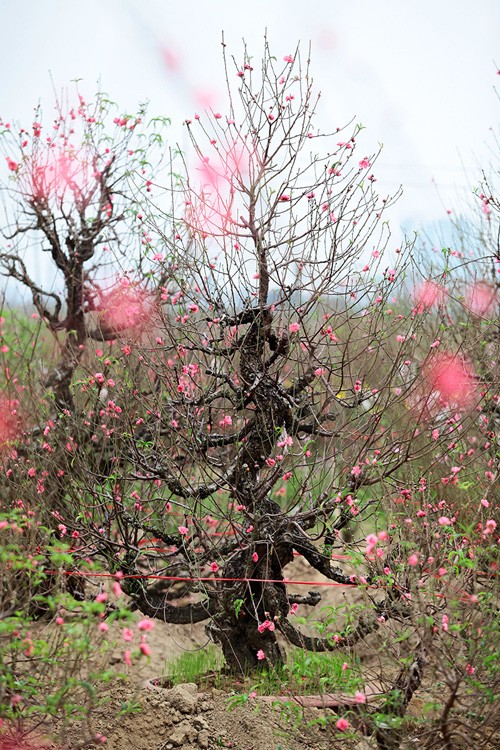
(68, 196)
(272, 379)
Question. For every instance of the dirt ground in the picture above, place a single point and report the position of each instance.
(184, 718)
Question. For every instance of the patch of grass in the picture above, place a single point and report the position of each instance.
(311, 673)
(304, 673)
(200, 666)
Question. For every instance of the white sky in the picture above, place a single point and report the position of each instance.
(419, 74)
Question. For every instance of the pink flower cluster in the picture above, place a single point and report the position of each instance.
(372, 542)
(266, 625)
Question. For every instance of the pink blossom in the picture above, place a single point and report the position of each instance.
(171, 58)
(117, 589)
(342, 725)
(260, 655)
(145, 649)
(266, 625)
(127, 634)
(214, 567)
(183, 530)
(103, 627)
(427, 295)
(490, 526)
(255, 557)
(360, 697)
(413, 559)
(288, 59)
(145, 625)
(127, 658)
(62, 171)
(294, 608)
(444, 521)
(371, 543)
(102, 597)
(486, 208)
(12, 165)
(364, 163)
(452, 377)
(481, 299)
(284, 198)
(125, 306)
(293, 327)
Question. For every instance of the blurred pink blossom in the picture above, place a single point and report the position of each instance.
(428, 294)
(124, 307)
(342, 725)
(452, 378)
(481, 299)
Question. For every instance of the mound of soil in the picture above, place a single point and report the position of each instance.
(183, 718)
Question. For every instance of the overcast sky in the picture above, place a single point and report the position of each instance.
(419, 74)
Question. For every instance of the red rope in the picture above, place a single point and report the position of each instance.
(201, 578)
